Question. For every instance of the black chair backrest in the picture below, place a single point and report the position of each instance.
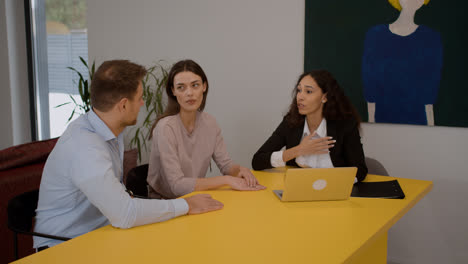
(375, 167)
(136, 180)
(22, 210)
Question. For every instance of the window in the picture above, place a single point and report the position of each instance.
(58, 38)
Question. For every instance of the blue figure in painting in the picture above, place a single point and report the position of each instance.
(401, 68)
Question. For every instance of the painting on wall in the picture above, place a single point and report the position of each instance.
(399, 61)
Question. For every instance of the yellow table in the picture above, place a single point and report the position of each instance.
(253, 227)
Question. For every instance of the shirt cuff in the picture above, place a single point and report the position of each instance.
(180, 207)
(276, 159)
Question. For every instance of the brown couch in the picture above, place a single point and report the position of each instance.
(20, 171)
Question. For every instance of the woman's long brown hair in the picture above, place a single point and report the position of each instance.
(173, 107)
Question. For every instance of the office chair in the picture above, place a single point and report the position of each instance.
(136, 181)
(375, 167)
(21, 212)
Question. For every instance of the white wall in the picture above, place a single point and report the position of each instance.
(435, 230)
(252, 52)
(14, 94)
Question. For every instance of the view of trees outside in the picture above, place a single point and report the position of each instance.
(71, 13)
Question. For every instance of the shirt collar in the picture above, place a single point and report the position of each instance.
(321, 130)
(100, 127)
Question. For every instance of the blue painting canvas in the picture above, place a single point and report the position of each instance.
(396, 59)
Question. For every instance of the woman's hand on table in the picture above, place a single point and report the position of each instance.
(248, 176)
(240, 184)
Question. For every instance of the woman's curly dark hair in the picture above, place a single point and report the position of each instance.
(337, 107)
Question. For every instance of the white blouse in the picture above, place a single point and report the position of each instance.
(308, 161)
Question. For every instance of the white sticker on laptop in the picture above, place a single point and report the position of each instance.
(319, 184)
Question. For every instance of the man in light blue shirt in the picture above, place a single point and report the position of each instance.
(81, 187)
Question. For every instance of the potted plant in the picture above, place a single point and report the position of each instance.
(83, 89)
(153, 89)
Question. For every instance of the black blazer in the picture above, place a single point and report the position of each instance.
(347, 151)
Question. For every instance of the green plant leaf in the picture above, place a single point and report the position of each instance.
(91, 74)
(57, 106)
(77, 72)
(71, 116)
(83, 89)
(148, 116)
(86, 95)
(80, 88)
(84, 62)
(73, 99)
(73, 69)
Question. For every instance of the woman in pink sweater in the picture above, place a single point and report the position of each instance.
(185, 139)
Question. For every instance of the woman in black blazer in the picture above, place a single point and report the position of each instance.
(318, 105)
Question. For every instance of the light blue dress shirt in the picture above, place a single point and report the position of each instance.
(81, 187)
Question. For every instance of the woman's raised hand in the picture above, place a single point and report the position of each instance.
(310, 145)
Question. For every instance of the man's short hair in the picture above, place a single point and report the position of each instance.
(114, 80)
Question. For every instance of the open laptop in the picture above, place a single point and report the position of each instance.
(317, 184)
